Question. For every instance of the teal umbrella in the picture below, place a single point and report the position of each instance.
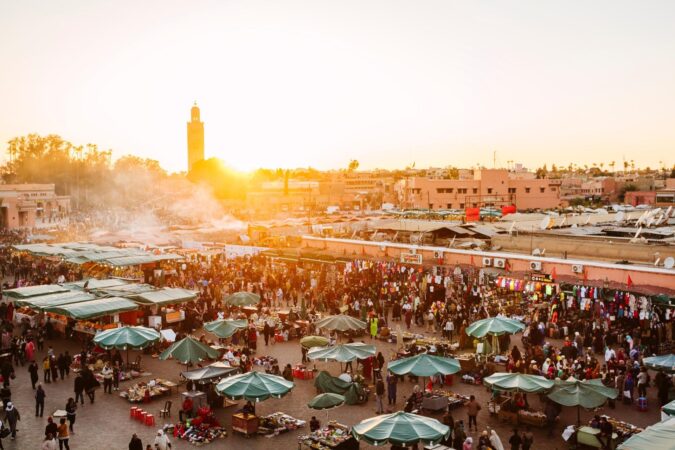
(424, 365)
(225, 328)
(313, 341)
(669, 408)
(342, 353)
(242, 299)
(518, 382)
(663, 362)
(494, 326)
(341, 323)
(189, 351)
(657, 436)
(255, 386)
(326, 401)
(125, 338)
(400, 428)
(587, 393)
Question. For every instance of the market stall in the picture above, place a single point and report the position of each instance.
(145, 391)
(334, 436)
(514, 409)
(278, 423)
(202, 429)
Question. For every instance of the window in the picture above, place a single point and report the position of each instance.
(489, 190)
(527, 190)
(475, 205)
(449, 190)
(512, 190)
(431, 206)
(461, 191)
(461, 205)
(553, 189)
(542, 190)
(475, 190)
(449, 206)
(444, 190)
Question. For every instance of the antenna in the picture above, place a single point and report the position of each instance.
(669, 263)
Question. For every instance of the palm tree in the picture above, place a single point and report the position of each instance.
(612, 164)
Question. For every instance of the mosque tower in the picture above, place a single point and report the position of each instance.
(195, 137)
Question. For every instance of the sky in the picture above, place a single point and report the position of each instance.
(286, 83)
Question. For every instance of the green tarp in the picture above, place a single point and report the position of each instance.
(34, 291)
(166, 296)
(93, 283)
(58, 299)
(94, 308)
(353, 392)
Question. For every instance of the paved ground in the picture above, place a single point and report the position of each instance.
(106, 424)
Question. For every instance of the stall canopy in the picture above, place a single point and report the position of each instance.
(165, 296)
(128, 289)
(58, 299)
(424, 365)
(342, 353)
(400, 428)
(341, 323)
(663, 362)
(353, 392)
(94, 308)
(494, 326)
(34, 291)
(93, 283)
(225, 328)
(313, 341)
(209, 373)
(581, 393)
(254, 386)
(660, 435)
(242, 299)
(518, 382)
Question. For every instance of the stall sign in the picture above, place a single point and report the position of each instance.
(411, 258)
(173, 317)
(541, 277)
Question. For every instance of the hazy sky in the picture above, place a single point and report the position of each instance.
(300, 83)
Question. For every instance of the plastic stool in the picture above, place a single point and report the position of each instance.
(642, 404)
(150, 420)
(132, 412)
(137, 414)
(141, 416)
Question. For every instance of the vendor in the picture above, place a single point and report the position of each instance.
(186, 408)
(314, 424)
(248, 409)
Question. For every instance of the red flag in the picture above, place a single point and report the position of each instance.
(553, 274)
(629, 282)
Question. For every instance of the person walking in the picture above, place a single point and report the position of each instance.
(33, 370)
(528, 439)
(71, 413)
(12, 416)
(78, 385)
(472, 409)
(47, 370)
(135, 443)
(49, 443)
(379, 395)
(39, 401)
(107, 373)
(162, 441)
(515, 440)
(64, 436)
(392, 384)
(2, 427)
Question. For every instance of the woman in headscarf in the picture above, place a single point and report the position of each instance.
(468, 444)
(162, 441)
(495, 441)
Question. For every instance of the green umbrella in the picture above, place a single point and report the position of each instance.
(125, 338)
(657, 436)
(669, 408)
(586, 393)
(400, 428)
(189, 350)
(326, 401)
(663, 362)
(342, 353)
(242, 299)
(424, 365)
(313, 341)
(254, 386)
(225, 328)
(341, 323)
(518, 382)
(494, 326)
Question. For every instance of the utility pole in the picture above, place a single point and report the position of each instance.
(494, 159)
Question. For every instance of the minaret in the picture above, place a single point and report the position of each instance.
(195, 137)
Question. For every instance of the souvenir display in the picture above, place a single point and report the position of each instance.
(279, 422)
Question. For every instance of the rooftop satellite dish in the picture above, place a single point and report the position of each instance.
(669, 262)
(536, 252)
(544, 223)
(620, 216)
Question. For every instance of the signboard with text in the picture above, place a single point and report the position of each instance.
(411, 258)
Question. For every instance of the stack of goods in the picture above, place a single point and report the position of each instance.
(137, 392)
(454, 400)
(279, 422)
(272, 319)
(536, 418)
(265, 361)
(328, 437)
(623, 429)
(201, 430)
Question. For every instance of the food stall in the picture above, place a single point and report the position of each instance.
(246, 424)
(334, 436)
(440, 399)
(277, 423)
(147, 390)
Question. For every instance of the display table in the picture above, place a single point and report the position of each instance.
(303, 373)
(278, 423)
(533, 418)
(591, 437)
(466, 362)
(434, 403)
(334, 436)
(245, 424)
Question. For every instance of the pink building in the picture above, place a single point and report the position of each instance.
(489, 187)
(31, 205)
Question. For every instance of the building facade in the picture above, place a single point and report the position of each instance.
(488, 187)
(31, 206)
(195, 137)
